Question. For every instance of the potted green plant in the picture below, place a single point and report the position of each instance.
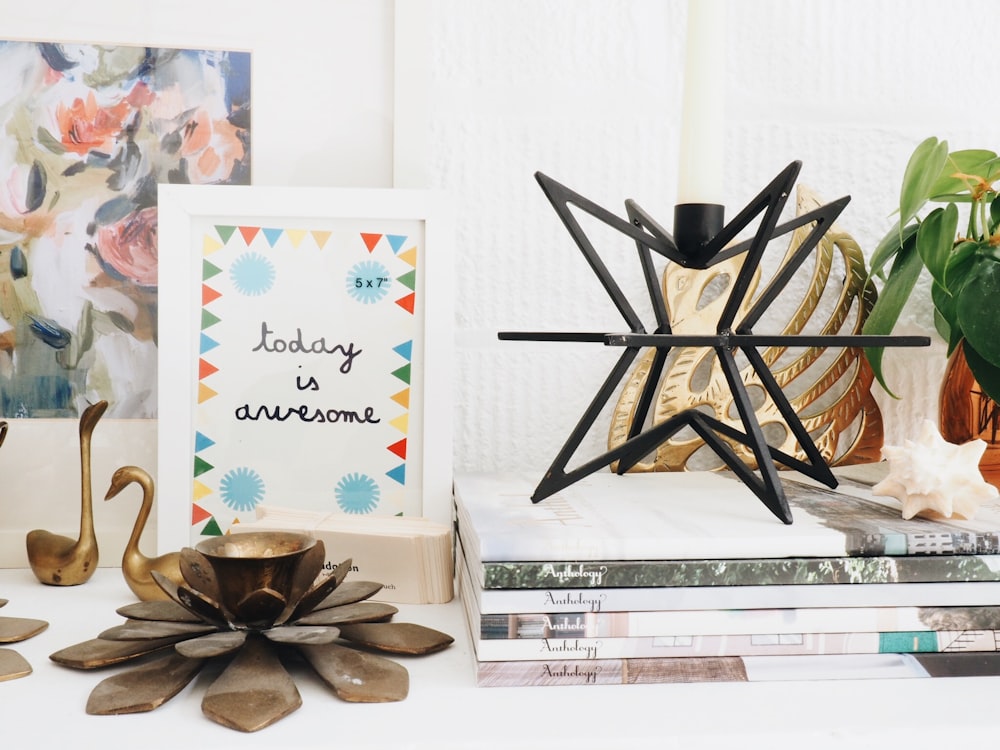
(963, 260)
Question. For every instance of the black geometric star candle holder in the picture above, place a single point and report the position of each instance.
(701, 240)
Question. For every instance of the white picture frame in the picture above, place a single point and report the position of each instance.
(189, 218)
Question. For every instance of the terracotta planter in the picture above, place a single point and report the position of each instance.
(966, 413)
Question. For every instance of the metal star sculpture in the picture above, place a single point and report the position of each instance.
(693, 222)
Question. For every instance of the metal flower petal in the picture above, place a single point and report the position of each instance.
(160, 610)
(142, 630)
(13, 665)
(15, 629)
(193, 601)
(348, 613)
(253, 692)
(358, 676)
(215, 644)
(397, 637)
(144, 688)
(311, 635)
(97, 652)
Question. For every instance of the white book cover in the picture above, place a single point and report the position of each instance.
(694, 516)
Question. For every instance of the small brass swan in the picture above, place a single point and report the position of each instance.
(136, 567)
(60, 560)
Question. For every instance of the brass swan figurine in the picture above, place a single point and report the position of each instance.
(136, 567)
(60, 560)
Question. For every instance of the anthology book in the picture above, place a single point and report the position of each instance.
(697, 516)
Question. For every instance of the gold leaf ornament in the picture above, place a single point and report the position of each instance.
(830, 389)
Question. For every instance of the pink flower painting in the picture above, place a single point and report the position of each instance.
(88, 132)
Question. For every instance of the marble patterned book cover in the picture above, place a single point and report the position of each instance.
(697, 515)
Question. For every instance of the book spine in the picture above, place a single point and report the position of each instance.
(608, 672)
(655, 598)
(733, 669)
(734, 621)
(778, 571)
(497, 601)
(815, 644)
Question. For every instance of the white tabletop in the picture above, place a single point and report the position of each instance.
(446, 710)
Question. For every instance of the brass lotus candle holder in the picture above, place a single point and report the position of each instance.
(253, 599)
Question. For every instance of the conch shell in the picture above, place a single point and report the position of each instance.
(933, 478)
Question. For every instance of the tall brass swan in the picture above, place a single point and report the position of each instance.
(136, 567)
(60, 560)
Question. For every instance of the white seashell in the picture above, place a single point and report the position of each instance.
(933, 478)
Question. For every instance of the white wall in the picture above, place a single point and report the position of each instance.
(587, 91)
(322, 72)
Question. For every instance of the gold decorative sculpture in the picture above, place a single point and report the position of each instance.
(60, 560)
(247, 599)
(830, 390)
(136, 567)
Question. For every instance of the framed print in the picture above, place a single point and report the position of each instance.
(304, 355)
(89, 131)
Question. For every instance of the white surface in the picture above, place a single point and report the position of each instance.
(445, 710)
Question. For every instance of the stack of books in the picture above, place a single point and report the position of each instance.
(681, 577)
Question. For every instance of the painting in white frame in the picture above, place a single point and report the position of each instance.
(305, 355)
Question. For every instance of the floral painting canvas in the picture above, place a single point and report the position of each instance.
(88, 132)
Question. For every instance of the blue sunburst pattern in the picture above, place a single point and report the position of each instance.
(252, 274)
(357, 493)
(368, 281)
(241, 489)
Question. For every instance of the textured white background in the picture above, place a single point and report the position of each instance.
(589, 93)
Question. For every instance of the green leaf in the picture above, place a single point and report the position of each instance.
(977, 309)
(945, 318)
(990, 171)
(885, 312)
(952, 335)
(960, 263)
(985, 373)
(986, 250)
(994, 215)
(922, 172)
(969, 161)
(935, 239)
(889, 246)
